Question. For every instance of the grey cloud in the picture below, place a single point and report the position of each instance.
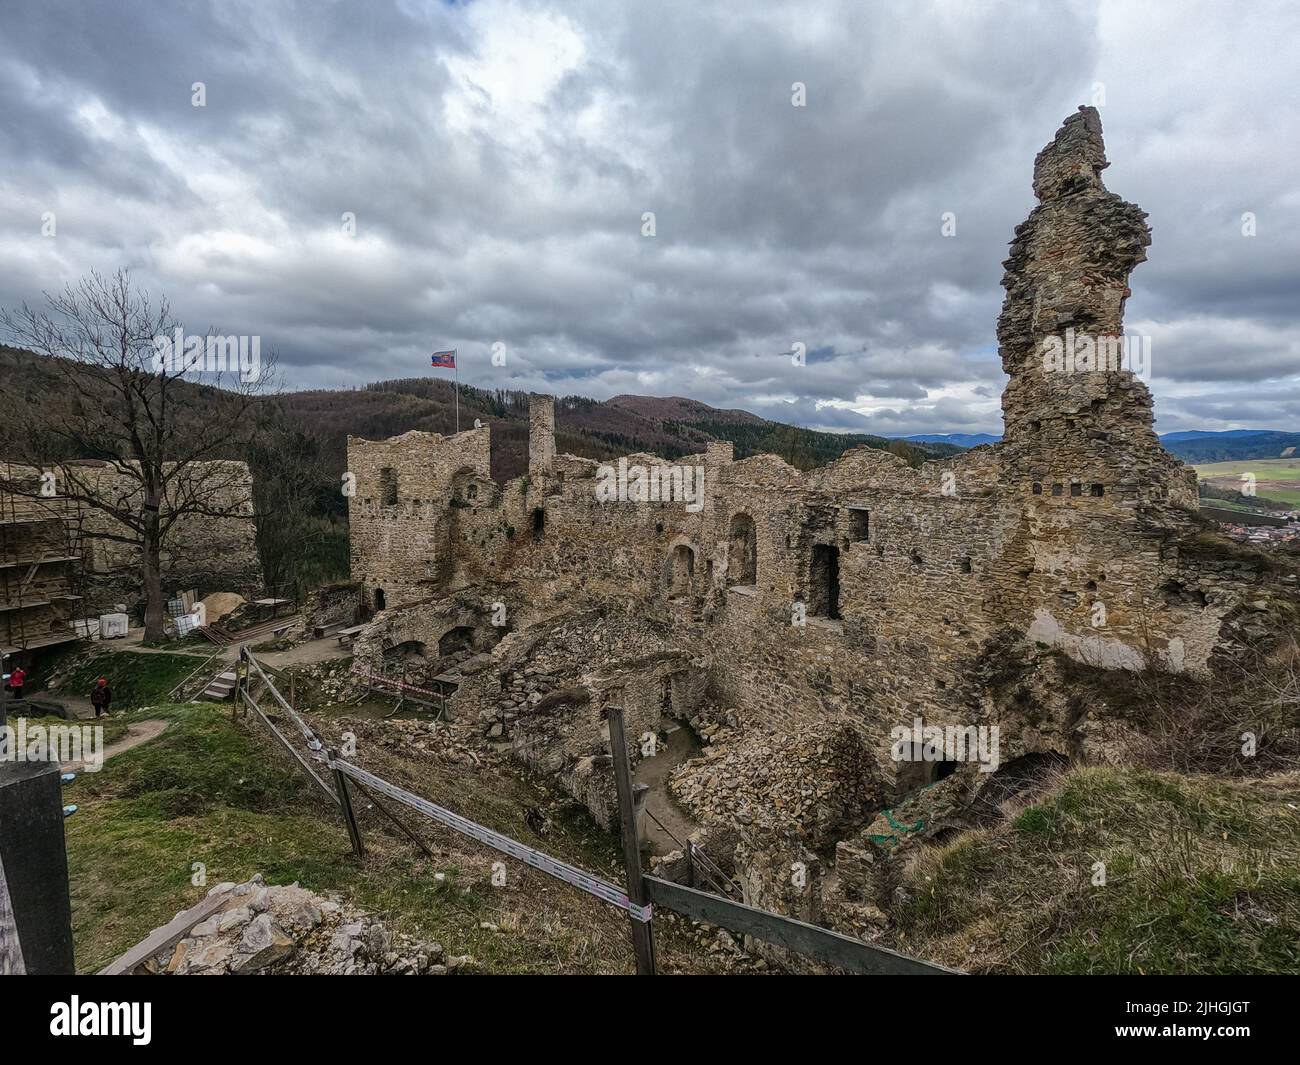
(499, 156)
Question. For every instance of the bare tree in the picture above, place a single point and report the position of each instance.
(157, 436)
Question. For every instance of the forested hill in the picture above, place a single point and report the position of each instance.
(667, 426)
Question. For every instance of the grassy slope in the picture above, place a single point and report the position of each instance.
(1202, 876)
(218, 792)
(136, 679)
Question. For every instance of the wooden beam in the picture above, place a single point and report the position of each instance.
(642, 934)
(167, 936)
(820, 944)
(286, 744)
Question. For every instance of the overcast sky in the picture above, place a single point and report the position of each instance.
(499, 158)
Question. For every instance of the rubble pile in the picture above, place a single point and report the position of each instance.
(450, 743)
(810, 782)
(290, 930)
(333, 680)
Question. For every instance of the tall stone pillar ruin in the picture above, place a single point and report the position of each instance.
(1075, 412)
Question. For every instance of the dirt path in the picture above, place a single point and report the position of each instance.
(303, 654)
(654, 772)
(136, 734)
(307, 654)
(132, 642)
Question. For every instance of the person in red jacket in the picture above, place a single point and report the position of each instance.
(17, 680)
(101, 696)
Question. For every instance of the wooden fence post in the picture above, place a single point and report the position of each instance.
(345, 803)
(642, 934)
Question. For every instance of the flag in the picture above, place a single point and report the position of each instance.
(445, 359)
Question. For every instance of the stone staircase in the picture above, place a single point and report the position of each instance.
(221, 688)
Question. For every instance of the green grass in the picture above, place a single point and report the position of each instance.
(1201, 876)
(137, 679)
(214, 791)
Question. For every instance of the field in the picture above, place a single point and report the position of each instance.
(1274, 478)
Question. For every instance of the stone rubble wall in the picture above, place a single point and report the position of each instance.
(400, 522)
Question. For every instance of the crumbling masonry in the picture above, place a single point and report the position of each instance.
(805, 615)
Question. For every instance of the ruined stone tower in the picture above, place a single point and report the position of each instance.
(1075, 412)
(541, 434)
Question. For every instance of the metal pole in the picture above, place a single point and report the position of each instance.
(642, 934)
(455, 369)
(345, 803)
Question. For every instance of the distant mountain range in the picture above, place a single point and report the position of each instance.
(1190, 445)
(956, 439)
(1231, 445)
(669, 426)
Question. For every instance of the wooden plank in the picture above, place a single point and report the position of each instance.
(820, 944)
(11, 949)
(349, 815)
(167, 936)
(642, 934)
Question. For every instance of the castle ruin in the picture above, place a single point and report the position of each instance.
(810, 614)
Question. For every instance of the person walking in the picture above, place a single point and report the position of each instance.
(17, 680)
(101, 696)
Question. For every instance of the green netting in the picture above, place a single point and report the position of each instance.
(891, 838)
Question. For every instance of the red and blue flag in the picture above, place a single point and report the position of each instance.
(445, 359)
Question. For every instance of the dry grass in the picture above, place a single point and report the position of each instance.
(1200, 876)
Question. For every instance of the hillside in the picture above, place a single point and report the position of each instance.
(1232, 446)
(667, 426)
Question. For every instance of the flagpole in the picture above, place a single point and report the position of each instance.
(455, 366)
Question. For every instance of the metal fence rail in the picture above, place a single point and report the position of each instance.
(810, 940)
(570, 874)
(643, 893)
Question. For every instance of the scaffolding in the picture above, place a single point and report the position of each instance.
(41, 563)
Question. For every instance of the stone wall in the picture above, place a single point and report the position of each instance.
(402, 513)
(864, 595)
(209, 552)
